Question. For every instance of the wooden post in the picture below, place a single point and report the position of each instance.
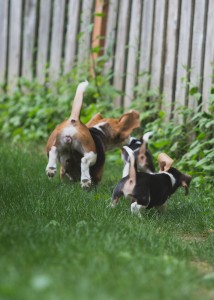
(28, 38)
(43, 39)
(3, 38)
(71, 35)
(101, 9)
(14, 43)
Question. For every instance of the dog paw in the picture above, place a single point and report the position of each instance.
(86, 183)
(51, 171)
(136, 209)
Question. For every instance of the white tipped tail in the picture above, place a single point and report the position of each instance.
(77, 103)
(147, 135)
(132, 173)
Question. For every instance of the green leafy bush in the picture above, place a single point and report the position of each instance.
(190, 142)
(33, 110)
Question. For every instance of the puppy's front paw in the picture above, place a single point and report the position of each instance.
(86, 183)
(51, 171)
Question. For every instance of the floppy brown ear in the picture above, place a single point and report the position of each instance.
(128, 122)
(94, 120)
(165, 162)
(185, 182)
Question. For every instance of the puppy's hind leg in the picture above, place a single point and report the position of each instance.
(87, 160)
(52, 162)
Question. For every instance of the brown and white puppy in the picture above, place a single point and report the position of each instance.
(149, 190)
(142, 155)
(80, 148)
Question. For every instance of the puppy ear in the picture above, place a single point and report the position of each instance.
(162, 165)
(128, 122)
(94, 120)
(165, 162)
(185, 182)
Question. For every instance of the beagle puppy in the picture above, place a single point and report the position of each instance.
(80, 149)
(150, 189)
(142, 155)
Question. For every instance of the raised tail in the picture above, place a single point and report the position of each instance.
(132, 172)
(146, 136)
(77, 103)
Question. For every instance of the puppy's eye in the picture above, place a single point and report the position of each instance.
(142, 157)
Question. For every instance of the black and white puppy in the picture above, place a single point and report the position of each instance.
(149, 189)
(142, 155)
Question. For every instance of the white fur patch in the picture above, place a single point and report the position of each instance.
(147, 135)
(52, 162)
(89, 159)
(69, 131)
(173, 180)
(136, 208)
(98, 126)
(82, 86)
(126, 170)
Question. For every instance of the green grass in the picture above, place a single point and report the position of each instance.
(60, 242)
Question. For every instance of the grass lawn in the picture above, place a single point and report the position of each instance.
(60, 242)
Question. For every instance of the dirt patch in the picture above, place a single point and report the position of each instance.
(194, 238)
(203, 266)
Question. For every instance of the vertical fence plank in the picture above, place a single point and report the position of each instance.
(99, 28)
(157, 48)
(170, 55)
(3, 38)
(146, 42)
(86, 27)
(110, 38)
(71, 35)
(28, 38)
(14, 42)
(43, 39)
(183, 52)
(209, 57)
(134, 37)
(197, 50)
(120, 53)
(57, 39)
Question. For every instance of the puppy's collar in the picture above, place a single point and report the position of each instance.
(171, 177)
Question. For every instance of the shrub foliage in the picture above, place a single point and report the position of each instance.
(33, 110)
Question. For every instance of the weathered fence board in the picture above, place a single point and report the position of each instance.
(183, 52)
(43, 39)
(209, 56)
(164, 45)
(133, 45)
(120, 53)
(71, 35)
(158, 41)
(29, 38)
(86, 26)
(146, 42)
(3, 38)
(57, 39)
(110, 38)
(197, 50)
(14, 48)
(170, 55)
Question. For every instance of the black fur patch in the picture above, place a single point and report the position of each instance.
(97, 136)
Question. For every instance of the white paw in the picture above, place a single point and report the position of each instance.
(86, 183)
(136, 209)
(50, 171)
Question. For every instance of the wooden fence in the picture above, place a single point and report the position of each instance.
(172, 40)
